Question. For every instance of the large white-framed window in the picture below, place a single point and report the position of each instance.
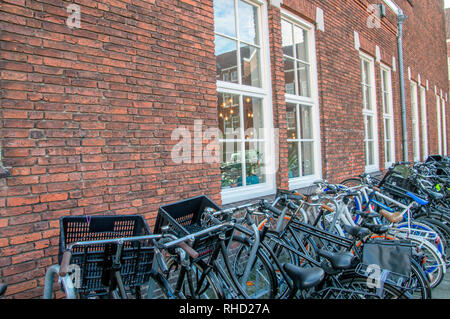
(388, 115)
(423, 121)
(415, 121)
(444, 128)
(244, 99)
(369, 110)
(302, 109)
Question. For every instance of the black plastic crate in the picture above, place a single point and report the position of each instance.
(95, 261)
(184, 218)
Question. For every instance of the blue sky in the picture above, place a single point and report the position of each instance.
(447, 3)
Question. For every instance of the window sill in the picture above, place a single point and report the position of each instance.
(302, 182)
(4, 172)
(238, 194)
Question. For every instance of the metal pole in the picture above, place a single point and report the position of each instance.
(400, 20)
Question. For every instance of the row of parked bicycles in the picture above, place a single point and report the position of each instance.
(363, 238)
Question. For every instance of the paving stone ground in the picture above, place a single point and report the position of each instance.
(443, 290)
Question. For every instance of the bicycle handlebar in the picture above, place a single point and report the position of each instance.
(180, 242)
(265, 204)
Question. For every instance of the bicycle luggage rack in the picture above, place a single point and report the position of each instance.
(184, 218)
(345, 294)
(94, 262)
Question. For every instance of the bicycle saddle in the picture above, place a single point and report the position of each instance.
(392, 217)
(357, 231)
(304, 278)
(434, 195)
(376, 228)
(2, 289)
(338, 261)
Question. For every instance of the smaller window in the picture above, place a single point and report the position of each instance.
(415, 122)
(296, 59)
(388, 116)
(423, 117)
(369, 113)
(444, 128)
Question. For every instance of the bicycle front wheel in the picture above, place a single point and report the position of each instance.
(253, 271)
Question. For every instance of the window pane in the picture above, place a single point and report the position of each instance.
(367, 98)
(388, 152)
(248, 23)
(254, 162)
(291, 117)
(370, 155)
(301, 43)
(231, 168)
(306, 122)
(307, 158)
(226, 59)
(286, 34)
(366, 73)
(387, 126)
(253, 118)
(294, 170)
(250, 65)
(224, 17)
(363, 72)
(369, 132)
(229, 119)
(289, 75)
(303, 79)
(386, 103)
(385, 80)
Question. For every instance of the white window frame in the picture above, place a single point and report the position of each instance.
(444, 128)
(264, 92)
(423, 120)
(376, 166)
(415, 122)
(388, 116)
(439, 123)
(313, 102)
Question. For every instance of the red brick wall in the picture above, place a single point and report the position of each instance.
(425, 54)
(87, 114)
(340, 96)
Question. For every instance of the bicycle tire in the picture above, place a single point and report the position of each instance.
(255, 289)
(423, 288)
(350, 182)
(208, 291)
(441, 229)
(437, 262)
(419, 226)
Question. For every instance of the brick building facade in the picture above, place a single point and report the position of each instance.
(88, 111)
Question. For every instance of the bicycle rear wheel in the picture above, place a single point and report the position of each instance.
(359, 289)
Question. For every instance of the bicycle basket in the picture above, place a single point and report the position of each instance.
(392, 259)
(184, 218)
(95, 261)
(401, 182)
